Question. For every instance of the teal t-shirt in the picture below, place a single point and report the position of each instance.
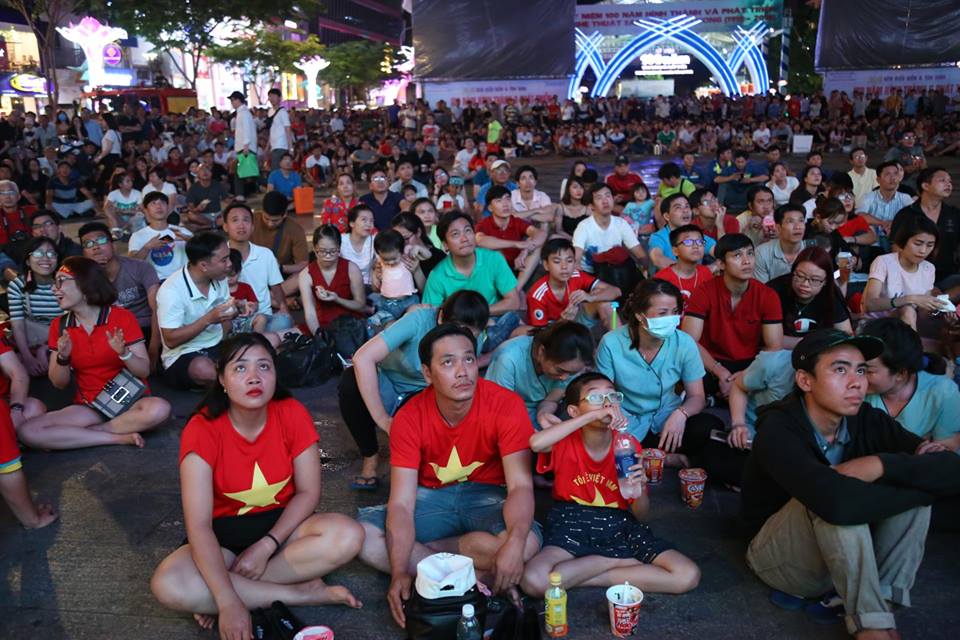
(491, 277)
(511, 367)
(933, 410)
(770, 377)
(649, 388)
(402, 364)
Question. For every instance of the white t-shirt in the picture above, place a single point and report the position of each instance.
(313, 161)
(278, 131)
(761, 136)
(446, 201)
(593, 240)
(782, 196)
(166, 259)
(363, 258)
(540, 199)
(462, 160)
(896, 281)
(261, 271)
(169, 189)
(179, 303)
(125, 203)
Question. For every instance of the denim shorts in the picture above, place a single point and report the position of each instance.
(452, 511)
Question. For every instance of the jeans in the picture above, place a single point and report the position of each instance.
(869, 564)
(67, 209)
(388, 309)
(500, 331)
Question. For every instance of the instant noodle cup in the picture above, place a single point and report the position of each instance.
(623, 601)
(315, 633)
(653, 464)
(692, 483)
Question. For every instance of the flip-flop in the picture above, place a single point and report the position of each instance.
(363, 483)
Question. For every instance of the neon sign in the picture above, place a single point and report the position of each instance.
(28, 83)
(93, 37)
(665, 64)
(112, 54)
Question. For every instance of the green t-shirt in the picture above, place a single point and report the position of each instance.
(933, 410)
(402, 365)
(684, 186)
(491, 277)
(493, 131)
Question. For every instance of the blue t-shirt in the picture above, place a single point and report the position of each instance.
(770, 377)
(402, 364)
(660, 239)
(639, 212)
(511, 367)
(934, 409)
(284, 185)
(649, 389)
(482, 194)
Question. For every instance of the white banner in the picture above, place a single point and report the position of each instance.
(495, 90)
(886, 81)
(718, 15)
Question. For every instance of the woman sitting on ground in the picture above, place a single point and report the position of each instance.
(250, 480)
(32, 304)
(94, 341)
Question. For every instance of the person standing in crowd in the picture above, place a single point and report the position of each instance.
(278, 125)
(244, 137)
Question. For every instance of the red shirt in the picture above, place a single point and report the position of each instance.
(853, 227)
(622, 186)
(9, 450)
(250, 477)
(496, 426)
(335, 211)
(245, 292)
(738, 334)
(14, 222)
(328, 311)
(543, 306)
(686, 285)
(730, 225)
(4, 380)
(92, 358)
(579, 478)
(516, 230)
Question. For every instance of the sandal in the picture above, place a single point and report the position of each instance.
(363, 483)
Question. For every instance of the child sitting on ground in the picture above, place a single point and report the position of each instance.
(243, 294)
(639, 211)
(593, 536)
(13, 483)
(687, 273)
(392, 280)
(408, 194)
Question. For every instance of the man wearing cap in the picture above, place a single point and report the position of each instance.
(836, 493)
(621, 182)
(499, 175)
(285, 238)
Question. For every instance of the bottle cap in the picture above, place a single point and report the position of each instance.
(555, 578)
(468, 611)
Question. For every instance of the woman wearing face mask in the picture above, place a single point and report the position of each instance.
(648, 359)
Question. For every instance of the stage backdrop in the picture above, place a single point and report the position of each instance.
(867, 34)
(493, 39)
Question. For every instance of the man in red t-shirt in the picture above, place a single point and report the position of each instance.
(515, 238)
(733, 317)
(453, 447)
(621, 182)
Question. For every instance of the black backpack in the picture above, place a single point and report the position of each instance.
(303, 361)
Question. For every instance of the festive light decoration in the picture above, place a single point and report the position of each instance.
(92, 37)
(311, 67)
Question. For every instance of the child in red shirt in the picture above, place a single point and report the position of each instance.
(593, 536)
(686, 273)
(13, 483)
(567, 293)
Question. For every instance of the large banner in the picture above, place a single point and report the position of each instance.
(494, 90)
(869, 34)
(721, 15)
(487, 39)
(886, 81)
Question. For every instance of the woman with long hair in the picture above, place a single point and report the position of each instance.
(357, 245)
(811, 185)
(572, 209)
(414, 233)
(341, 201)
(32, 304)
(92, 342)
(250, 482)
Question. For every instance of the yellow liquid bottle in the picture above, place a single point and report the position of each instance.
(556, 608)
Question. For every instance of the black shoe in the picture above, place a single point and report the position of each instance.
(262, 629)
(285, 623)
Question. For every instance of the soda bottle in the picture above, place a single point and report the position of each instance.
(615, 317)
(625, 456)
(469, 627)
(556, 604)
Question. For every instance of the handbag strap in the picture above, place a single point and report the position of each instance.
(278, 237)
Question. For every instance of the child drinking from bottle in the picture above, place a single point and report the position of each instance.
(593, 536)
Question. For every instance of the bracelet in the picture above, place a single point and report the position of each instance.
(126, 355)
(683, 411)
(739, 424)
(63, 362)
(275, 541)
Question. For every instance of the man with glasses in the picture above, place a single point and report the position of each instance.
(46, 224)
(710, 215)
(676, 213)
(686, 273)
(864, 178)
(775, 257)
(383, 202)
(135, 280)
(910, 156)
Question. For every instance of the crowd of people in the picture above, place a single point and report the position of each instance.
(788, 327)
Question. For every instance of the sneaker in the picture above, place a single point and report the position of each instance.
(828, 610)
(787, 601)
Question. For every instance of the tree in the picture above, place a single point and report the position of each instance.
(192, 27)
(265, 53)
(356, 65)
(43, 17)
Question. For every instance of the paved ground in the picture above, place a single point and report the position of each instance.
(86, 577)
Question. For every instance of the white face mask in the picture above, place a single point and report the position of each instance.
(663, 326)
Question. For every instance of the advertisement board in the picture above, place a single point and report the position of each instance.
(720, 15)
(886, 81)
(494, 90)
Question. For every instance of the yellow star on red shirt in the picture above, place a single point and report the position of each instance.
(598, 500)
(454, 471)
(260, 494)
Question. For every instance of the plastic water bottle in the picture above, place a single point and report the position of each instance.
(625, 456)
(556, 604)
(615, 317)
(469, 627)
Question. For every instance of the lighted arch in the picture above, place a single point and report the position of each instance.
(748, 51)
(587, 56)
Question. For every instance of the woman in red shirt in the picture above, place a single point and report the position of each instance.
(250, 479)
(335, 207)
(98, 341)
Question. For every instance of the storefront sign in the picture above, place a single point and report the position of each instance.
(112, 54)
(23, 83)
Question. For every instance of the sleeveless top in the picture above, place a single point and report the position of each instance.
(327, 312)
(568, 224)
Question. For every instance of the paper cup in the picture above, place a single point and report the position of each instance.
(692, 482)
(623, 601)
(653, 464)
(315, 633)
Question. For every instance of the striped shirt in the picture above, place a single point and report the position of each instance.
(42, 306)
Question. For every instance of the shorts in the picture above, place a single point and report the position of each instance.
(236, 533)
(582, 530)
(451, 511)
(177, 376)
(9, 451)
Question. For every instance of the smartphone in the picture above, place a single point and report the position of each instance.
(721, 436)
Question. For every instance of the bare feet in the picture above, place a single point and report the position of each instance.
(134, 439)
(205, 621)
(45, 515)
(317, 592)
